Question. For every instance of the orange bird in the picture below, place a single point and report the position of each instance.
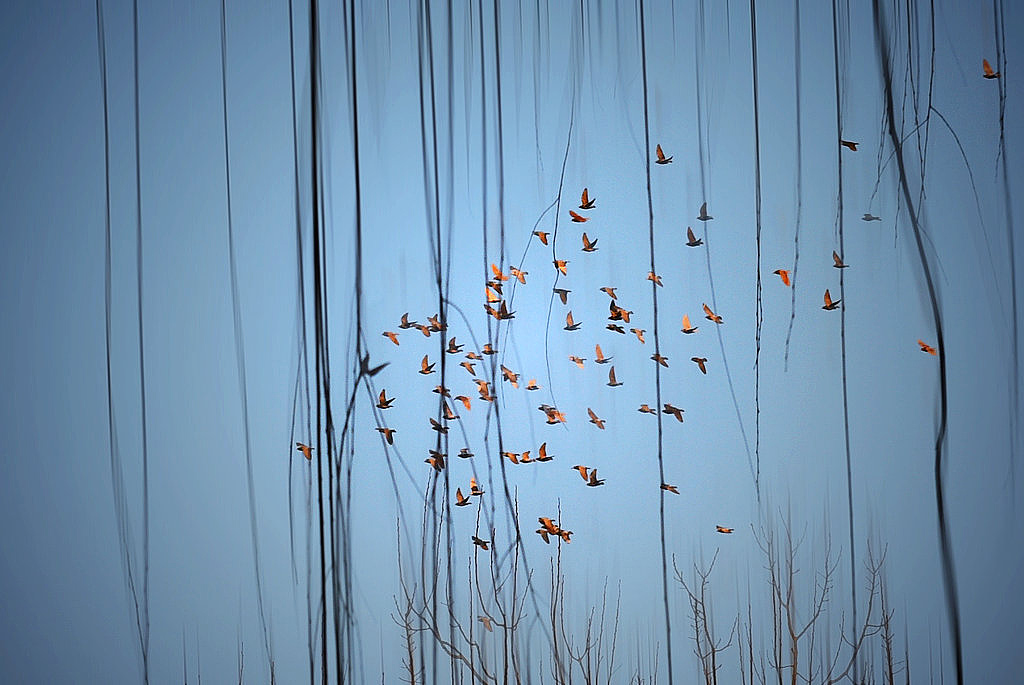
(544, 535)
(644, 409)
(460, 499)
(562, 292)
(720, 529)
(468, 366)
(474, 489)
(492, 297)
(612, 382)
(509, 376)
(388, 433)
(532, 384)
(783, 274)
(519, 275)
(700, 361)
(453, 347)
(488, 349)
(594, 482)
(382, 401)
(674, 411)
(425, 330)
(474, 356)
(464, 400)
(426, 368)
(548, 524)
(560, 265)
(639, 334)
(838, 262)
(438, 427)
(925, 347)
(589, 245)
(594, 420)
(576, 217)
(483, 544)
(660, 359)
(497, 273)
(393, 337)
(542, 235)
(687, 328)
(651, 276)
(710, 315)
(405, 321)
(582, 469)
(525, 458)
(512, 456)
(691, 239)
(554, 416)
(483, 619)
(585, 201)
(577, 360)
(829, 304)
(616, 328)
(850, 145)
(988, 69)
(306, 450)
(542, 453)
(670, 488)
(601, 359)
(609, 291)
(571, 325)
(662, 159)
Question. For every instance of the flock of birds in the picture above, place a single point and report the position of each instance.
(618, 316)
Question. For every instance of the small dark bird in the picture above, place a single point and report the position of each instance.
(691, 239)
(585, 201)
(481, 543)
(850, 145)
(662, 159)
(704, 216)
(670, 488)
(838, 262)
(868, 216)
(700, 361)
(306, 450)
(829, 304)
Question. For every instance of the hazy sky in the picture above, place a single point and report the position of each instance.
(571, 116)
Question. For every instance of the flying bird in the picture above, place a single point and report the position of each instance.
(601, 359)
(868, 216)
(829, 304)
(612, 383)
(519, 275)
(497, 273)
(483, 544)
(405, 321)
(577, 218)
(609, 291)
(435, 324)
(388, 433)
(474, 489)
(532, 384)
(655, 278)
(562, 292)
(709, 315)
(662, 159)
(468, 366)
(542, 235)
(586, 202)
(464, 453)
(488, 349)
(491, 297)
(511, 456)
(691, 239)
(700, 361)
(687, 328)
(589, 245)
(783, 274)
(393, 337)
(509, 376)
(704, 216)
(925, 347)
(594, 482)
(674, 411)
(582, 469)
(542, 453)
(306, 450)
(524, 458)
(560, 265)
(426, 368)
(838, 261)
(571, 325)
(460, 499)
(660, 359)
(454, 348)
(639, 334)
(544, 535)
(366, 370)
(594, 420)
(670, 488)
(425, 330)
(382, 401)
(644, 409)
(988, 69)
(474, 356)
(721, 529)
(616, 328)
(577, 360)
(849, 144)
(438, 427)
(483, 619)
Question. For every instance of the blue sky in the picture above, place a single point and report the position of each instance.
(66, 606)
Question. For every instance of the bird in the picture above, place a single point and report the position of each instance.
(438, 427)
(645, 409)
(704, 216)
(564, 534)
(491, 297)
(616, 328)
(655, 278)
(838, 261)
(710, 315)
(691, 239)
(488, 349)
(435, 324)
(453, 347)
(577, 218)
(849, 144)
(441, 390)
(612, 382)
(437, 463)
(829, 304)
(868, 216)
(464, 453)
(670, 488)
(594, 420)
(577, 360)
(594, 482)
(449, 415)
(425, 330)
(582, 469)
(562, 293)
(504, 313)
(474, 356)
(662, 159)
(542, 453)
(660, 359)
(783, 274)
(390, 335)
(509, 376)
(542, 235)
(366, 370)
(609, 291)
(519, 275)
(548, 524)
(482, 544)
(544, 535)
(496, 284)
(560, 265)
(382, 401)
(426, 368)
(388, 433)
(532, 384)
(700, 361)
(617, 313)
(571, 325)
(586, 202)
(524, 458)
(721, 529)
(589, 245)
(468, 366)
(674, 411)
(639, 334)
(460, 499)
(601, 359)
(306, 450)
(553, 415)
(474, 489)
(511, 456)
(497, 273)
(687, 328)
(405, 321)
(988, 69)
(925, 347)
(483, 619)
